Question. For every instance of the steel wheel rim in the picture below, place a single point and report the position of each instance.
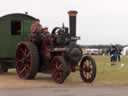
(23, 60)
(87, 69)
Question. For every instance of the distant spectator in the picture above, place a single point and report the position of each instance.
(113, 53)
(118, 54)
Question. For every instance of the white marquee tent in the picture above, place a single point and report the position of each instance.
(125, 51)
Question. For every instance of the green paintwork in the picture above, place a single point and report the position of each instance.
(8, 41)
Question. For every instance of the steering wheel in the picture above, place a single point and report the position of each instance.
(57, 30)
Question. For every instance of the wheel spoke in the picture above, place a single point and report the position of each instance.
(25, 52)
(23, 69)
(59, 67)
(91, 67)
(91, 72)
(88, 76)
(87, 64)
(27, 55)
(20, 61)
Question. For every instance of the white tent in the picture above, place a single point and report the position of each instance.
(125, 51)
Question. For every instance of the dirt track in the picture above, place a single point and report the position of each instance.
(79, 91)
(11, 85)
(11, 80)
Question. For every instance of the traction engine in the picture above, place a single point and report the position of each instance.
(56, 53)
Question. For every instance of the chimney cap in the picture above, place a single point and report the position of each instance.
(72, 13)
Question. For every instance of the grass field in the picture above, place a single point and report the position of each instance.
(107, 75)
(112, 75)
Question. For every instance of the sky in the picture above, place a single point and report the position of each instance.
(98, 21)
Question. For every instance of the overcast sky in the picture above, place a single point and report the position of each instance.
(98, 21)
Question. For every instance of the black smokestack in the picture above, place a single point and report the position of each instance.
(72, 22)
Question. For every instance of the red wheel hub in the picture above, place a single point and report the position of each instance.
(87, 69)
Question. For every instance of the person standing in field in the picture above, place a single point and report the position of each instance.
(119, 53)
(113, 53)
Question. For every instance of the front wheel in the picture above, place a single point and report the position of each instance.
(60, 70)
(88, 69)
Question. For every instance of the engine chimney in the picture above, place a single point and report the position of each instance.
(72, 22)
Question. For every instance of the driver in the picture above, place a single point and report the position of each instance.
(46, 29)
(36, 26)
(36, 29)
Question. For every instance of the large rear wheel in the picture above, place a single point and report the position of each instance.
(60, 69)
(27, 60)
(88, 69)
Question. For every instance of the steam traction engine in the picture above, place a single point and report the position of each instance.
(57, 54)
